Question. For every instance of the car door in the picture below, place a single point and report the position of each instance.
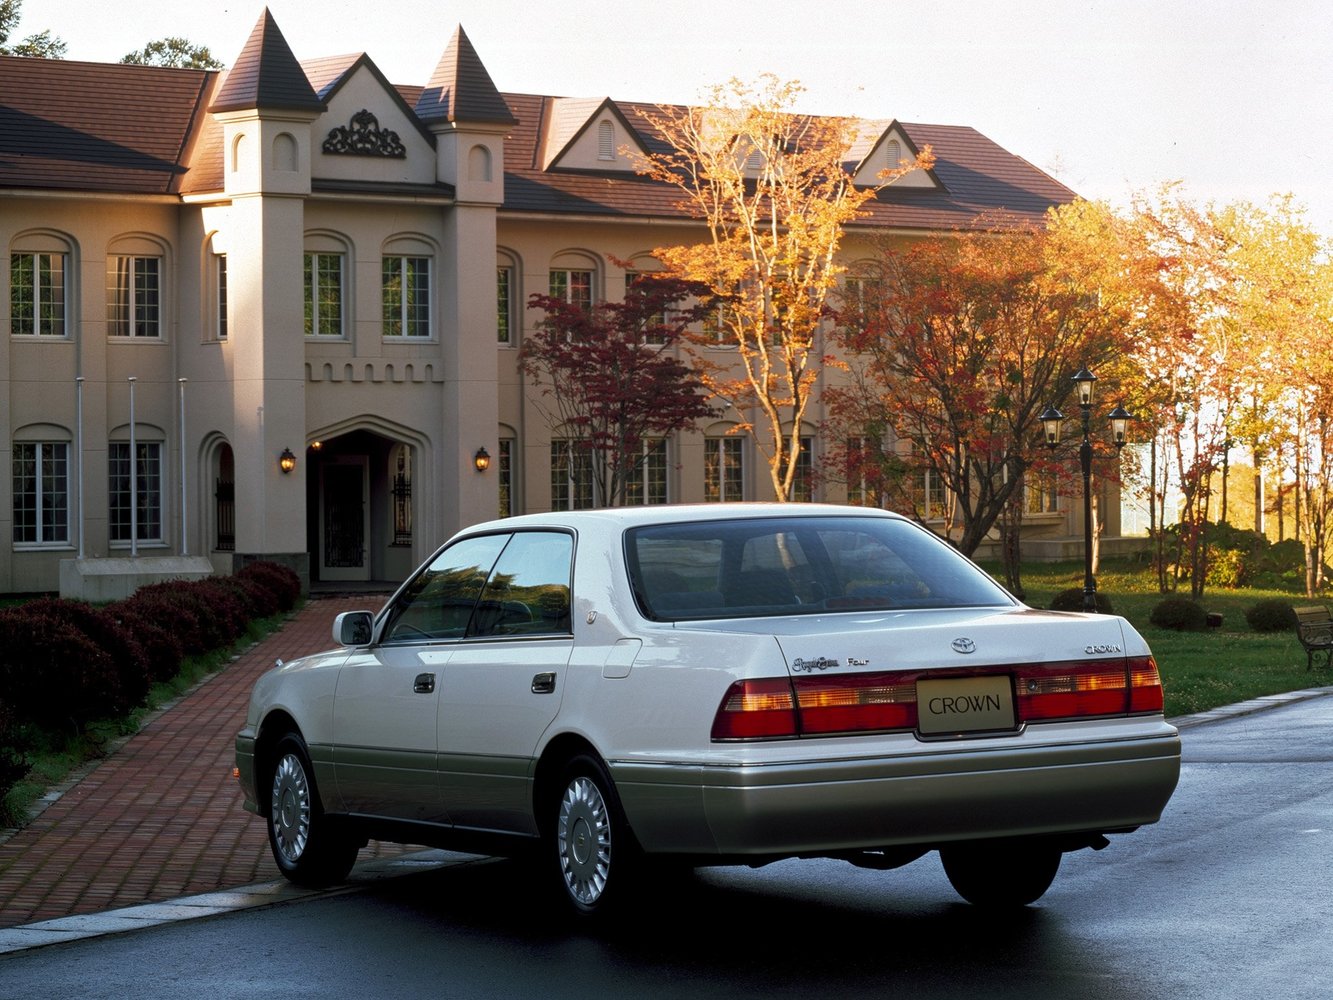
(386, 705)
(502, 686)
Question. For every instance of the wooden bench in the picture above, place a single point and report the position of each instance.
(1314, 629)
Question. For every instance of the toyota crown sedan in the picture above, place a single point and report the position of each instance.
(710, 685)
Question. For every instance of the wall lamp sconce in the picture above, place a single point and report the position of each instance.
(286, 461)
(482, 459)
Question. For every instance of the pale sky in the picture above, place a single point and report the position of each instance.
(1234, 98)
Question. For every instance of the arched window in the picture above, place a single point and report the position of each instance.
(40, 272)
(606, 140)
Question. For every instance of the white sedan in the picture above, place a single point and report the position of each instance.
(720, 684)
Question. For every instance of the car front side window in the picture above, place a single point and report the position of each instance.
(438, 602)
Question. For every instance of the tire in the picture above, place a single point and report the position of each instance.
(309, 849)
(1001, 874)
(589, 840)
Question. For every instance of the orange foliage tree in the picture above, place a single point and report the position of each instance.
(771, 187)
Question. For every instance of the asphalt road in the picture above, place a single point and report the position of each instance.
(1231, 895)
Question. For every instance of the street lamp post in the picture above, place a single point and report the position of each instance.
(1051, 420)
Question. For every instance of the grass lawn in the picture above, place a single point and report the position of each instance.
(1200, 670)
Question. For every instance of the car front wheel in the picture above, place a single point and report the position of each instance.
(1001, 874)
(308, 848)
(588, 838)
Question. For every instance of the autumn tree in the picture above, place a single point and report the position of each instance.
(954, 346)
(611, 382)
(772, 190)
(42, 45)
(179, 53)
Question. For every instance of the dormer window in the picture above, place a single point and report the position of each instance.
(606, 140)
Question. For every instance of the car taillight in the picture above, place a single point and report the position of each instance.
(1145, 685)
(781, 707)
(1071, 690)
(756, 709)
(855, 703)
(1081, 689)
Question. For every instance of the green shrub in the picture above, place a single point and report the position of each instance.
(1072, 600)
(14, 746)
(1229, 568)
(1273, 614)
(1180, 614)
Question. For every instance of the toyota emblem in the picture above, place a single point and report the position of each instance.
(964, 645)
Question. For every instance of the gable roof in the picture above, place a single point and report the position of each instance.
(266, 76)
(977, 180)
(460, 89)
(71, 125)
(568, 118)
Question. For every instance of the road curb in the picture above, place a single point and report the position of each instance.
(1250, 707)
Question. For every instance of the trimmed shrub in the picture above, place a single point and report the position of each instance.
(52, 674)
(258, 600)
(1072, 600)
(1229, 568)
(282, 581)
(162, 648)
(179, 617)
(14, 747)
(105, 632)
(1180, 614)
(1273, 614)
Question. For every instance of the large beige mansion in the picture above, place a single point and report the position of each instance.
(274, 312)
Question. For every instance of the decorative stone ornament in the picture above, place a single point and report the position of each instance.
(364, 137)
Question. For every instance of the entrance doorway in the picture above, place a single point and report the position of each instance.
(344, 518)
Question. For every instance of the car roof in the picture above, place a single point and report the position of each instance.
(616, 518)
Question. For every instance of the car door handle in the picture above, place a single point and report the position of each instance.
(543, 683)
(424, 684)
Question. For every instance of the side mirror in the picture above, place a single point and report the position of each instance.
(353, 628)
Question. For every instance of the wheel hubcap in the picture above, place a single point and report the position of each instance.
(583, 836)
(290, 812)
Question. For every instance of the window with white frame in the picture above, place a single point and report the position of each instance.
(144, 486)
(134, 296)
(37, 294)
(323, 287)
(1040, 496)
(857, 492)
(724, 471)
(220, 283)
(803, 486)
(504, 467)
(504, 304)
(649, 486)
(406, 287)
(41, 493)
(573, 285)
(658, 319)
(571, 477)
(929, 494)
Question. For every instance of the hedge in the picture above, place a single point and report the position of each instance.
(65, 664)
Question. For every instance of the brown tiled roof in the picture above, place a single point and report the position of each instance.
(460, 89)
(979, 180)
(266, 75)
(71, 125)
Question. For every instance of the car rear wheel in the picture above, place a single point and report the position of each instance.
(1001, 874)
(309, 849)
(589, 838)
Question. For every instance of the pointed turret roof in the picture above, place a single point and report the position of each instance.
(266, 75)
(460, 89)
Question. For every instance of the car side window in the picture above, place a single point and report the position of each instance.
(438, 602)
(528, 590)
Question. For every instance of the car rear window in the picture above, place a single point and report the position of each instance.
(757, 567)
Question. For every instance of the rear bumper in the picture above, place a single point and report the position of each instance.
(821, 806)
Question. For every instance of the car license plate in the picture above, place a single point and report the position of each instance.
(964, 705)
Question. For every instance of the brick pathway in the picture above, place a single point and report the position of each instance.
(161, 817)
